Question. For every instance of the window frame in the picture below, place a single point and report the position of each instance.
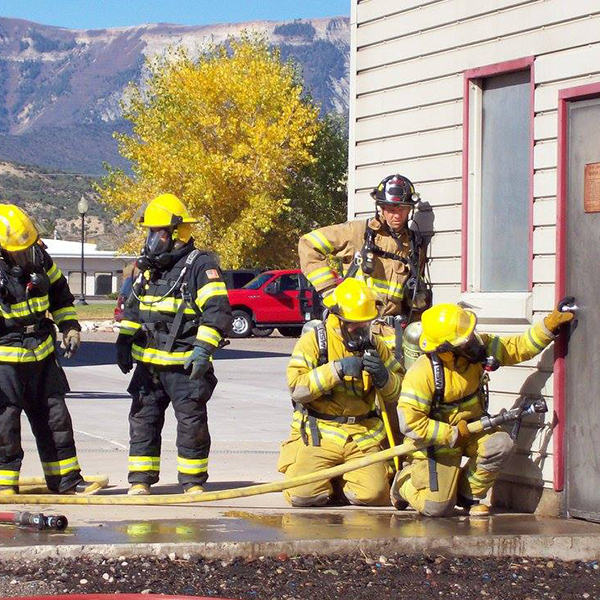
(516, 307)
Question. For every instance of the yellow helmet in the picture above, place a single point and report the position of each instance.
(353, 301)
(446, 324)
(17, 231)
(167, 210)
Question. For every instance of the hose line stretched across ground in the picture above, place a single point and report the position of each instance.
(251, 490)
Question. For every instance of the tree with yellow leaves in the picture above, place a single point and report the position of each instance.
(227, 133)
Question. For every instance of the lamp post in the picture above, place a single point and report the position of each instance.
(82, 207)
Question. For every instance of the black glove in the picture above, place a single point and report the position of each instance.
(349, 366)
(373, 365)
(124, 358)
(199, 359)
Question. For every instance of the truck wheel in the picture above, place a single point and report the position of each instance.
(262, 332)
(241, 324)
(290, 331)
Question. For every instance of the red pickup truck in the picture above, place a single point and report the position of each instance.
(270, 300)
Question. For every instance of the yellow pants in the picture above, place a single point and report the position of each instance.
(368, 486)
(487, 452)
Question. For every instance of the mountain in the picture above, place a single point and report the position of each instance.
(60, 89)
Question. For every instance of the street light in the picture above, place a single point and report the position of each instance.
(82, 207)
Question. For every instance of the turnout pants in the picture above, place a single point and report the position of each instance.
(487, 452)
(39, 389)
(152, 390)
(367, 486)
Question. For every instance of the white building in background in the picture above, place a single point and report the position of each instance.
(492, 108)
(103, 268)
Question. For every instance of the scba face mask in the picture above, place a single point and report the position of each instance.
(159, 241)
(356, 336)
(473, 349)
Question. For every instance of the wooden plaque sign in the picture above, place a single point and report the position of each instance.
(591, 188)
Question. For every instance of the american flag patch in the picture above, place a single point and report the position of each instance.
(212, 274)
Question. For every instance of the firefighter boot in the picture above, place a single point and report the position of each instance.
(472, 507)
(398, 502)
(84, 488)
(139, 489)
(7, 490)
(191, 488)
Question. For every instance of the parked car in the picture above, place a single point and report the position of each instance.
(270, 300)
(238, 278)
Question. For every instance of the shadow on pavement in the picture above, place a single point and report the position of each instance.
(104, 353)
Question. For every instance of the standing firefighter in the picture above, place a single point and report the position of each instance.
(30, 376)
(442, 392)
(382, 251)
(335, 372)
(176, 318)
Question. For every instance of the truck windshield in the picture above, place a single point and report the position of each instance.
(258, 281)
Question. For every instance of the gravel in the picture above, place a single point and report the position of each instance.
(353, 577)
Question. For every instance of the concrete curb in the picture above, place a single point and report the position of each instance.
(559, 547)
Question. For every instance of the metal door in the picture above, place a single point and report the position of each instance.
(582, 392)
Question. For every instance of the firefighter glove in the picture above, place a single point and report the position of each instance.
(558, 317)
(199, 360)
(373, 365)
(349, 366)
(124, 358)
(462, 433)
(71, 342)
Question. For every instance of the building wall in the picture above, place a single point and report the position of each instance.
(92, 266)
(406, 116)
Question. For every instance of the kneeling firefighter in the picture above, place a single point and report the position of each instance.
(175, 318)
(382, 251)
(442, 392)
(335, 372)
(31, 379)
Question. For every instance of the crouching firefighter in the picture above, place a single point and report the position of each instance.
(382, 251)
(175, 318)
(335, 373)
(31, 380)
(442, 392)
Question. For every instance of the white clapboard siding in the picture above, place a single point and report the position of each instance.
(544, 269)
(544, 212)
(438, 167)
(546, 125)
(528, 43)
(445, 270)
(543, 297)
(369, 10)
(430, 143)
(529, 469)
(422, 118)
(544, 240)
(568, 63)
(445, 245)
(544, 183)
(516, 22)
(545, 154)
(407, 97)
(444, 293)
(432, 16)
(546, 94)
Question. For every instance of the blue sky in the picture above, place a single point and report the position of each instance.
(98, 14)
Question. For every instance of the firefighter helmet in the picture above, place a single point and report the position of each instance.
(353, 301)
(395, 190)
(17, 230)
(446, 326)
(167, 210)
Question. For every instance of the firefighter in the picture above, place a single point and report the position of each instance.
(175, 319)
(334, 374)
(31, 379)
(442, 392)
(382, 251)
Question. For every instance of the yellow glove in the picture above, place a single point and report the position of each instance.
(557, 318)
(462, 434)
(71, 342)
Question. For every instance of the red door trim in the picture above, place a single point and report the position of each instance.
(520, 64)
(581, 92)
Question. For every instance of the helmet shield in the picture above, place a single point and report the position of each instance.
(159, 241)
(473, 349)
(22, 258)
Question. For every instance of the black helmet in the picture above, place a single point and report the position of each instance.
(395, 190)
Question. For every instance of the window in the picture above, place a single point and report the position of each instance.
(498, 180)
(103, 284)
(289, 283)
(75, 282)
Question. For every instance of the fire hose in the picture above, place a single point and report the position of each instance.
(483, 424)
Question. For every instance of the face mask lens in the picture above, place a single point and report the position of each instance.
(473, 349)
(23, 258)
(158, 241)
(356, 336)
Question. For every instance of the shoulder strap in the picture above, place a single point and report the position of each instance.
(321, 333)
(438, 378)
